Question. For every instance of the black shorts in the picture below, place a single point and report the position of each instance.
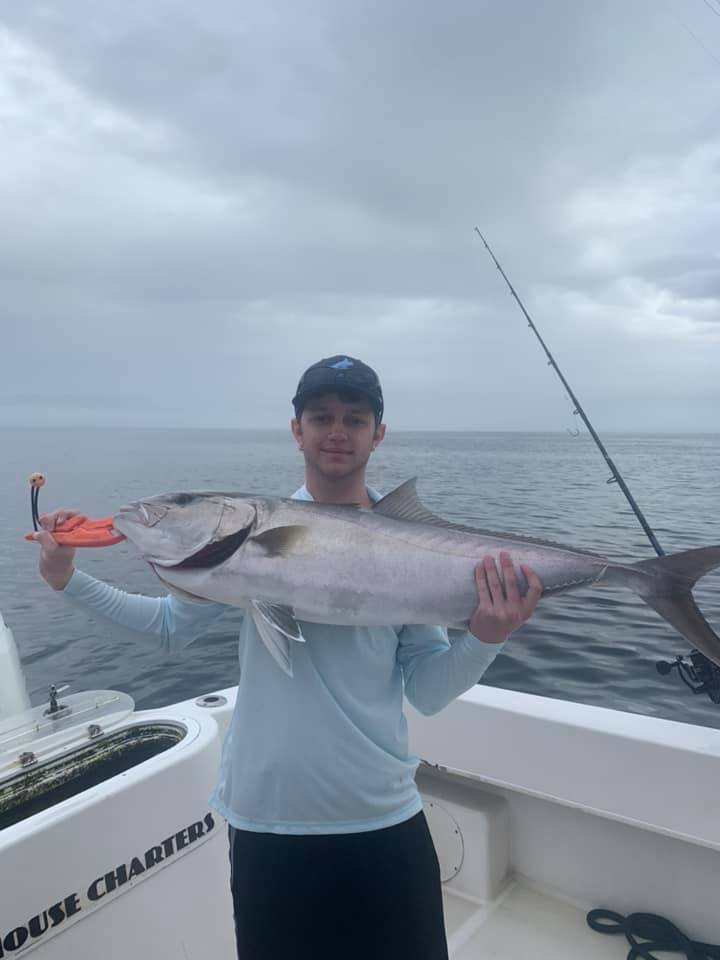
(355, 896)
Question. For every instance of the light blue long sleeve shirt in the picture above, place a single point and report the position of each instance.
(324, 751)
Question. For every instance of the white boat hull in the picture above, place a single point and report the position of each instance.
(540, 810)
(136, 866)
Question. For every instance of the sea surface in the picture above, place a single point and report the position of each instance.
(596, 646)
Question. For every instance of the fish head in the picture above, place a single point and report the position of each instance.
(187, 529)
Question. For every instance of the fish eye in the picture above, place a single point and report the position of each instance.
(183, 499)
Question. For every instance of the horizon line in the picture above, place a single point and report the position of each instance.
(396, 430)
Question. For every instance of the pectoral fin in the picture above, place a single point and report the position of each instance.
(279, 541)
(280, 618)
(277, 626)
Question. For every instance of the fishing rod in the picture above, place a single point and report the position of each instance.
(616, 476)
(702, 675)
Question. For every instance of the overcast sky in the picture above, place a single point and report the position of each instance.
(201, 199)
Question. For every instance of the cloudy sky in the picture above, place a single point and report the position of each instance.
(199, 200)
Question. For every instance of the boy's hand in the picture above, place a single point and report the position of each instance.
(501, 611)
(55, 561)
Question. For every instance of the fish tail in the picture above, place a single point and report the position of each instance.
(665, 584)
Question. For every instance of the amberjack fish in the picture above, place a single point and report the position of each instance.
(288, 561)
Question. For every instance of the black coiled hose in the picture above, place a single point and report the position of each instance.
(647, 931)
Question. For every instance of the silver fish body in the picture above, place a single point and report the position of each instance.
(398, 563)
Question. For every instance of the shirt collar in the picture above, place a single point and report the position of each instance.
(304, 494)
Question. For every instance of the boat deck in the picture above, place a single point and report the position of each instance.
(523, 924)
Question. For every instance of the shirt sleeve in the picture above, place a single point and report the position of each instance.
(174, 622)
(437, 671)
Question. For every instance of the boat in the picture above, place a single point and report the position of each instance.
(540, 810)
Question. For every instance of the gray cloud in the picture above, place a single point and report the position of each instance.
(199, 202)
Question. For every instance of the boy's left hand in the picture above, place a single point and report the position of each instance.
(501, 611)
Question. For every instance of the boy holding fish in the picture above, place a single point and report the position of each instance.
(329, 849)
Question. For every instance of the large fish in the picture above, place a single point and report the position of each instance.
(292, 560)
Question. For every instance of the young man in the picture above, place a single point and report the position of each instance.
(330, 852)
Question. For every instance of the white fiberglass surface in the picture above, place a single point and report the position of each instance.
(523, 925)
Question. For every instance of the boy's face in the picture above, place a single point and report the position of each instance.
(336, 437)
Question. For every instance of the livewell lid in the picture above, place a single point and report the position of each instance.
(43, 734)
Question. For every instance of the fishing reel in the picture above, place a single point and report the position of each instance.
(700, 675)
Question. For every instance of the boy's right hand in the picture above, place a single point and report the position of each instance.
(55, 562)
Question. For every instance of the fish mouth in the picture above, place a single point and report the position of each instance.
(144, 514)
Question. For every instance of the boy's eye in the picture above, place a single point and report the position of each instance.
(325, 418)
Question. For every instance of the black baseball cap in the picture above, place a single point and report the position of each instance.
(340, 373)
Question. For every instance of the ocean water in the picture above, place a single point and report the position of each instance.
(595, 646)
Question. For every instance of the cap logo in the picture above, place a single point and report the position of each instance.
(343, 364)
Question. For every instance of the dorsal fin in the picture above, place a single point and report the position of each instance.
(403, 503)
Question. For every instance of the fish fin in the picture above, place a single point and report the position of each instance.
(666, 585)
(690, 565)
(278, 541)
(277, 642)
(280, 618)
(403, 503)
